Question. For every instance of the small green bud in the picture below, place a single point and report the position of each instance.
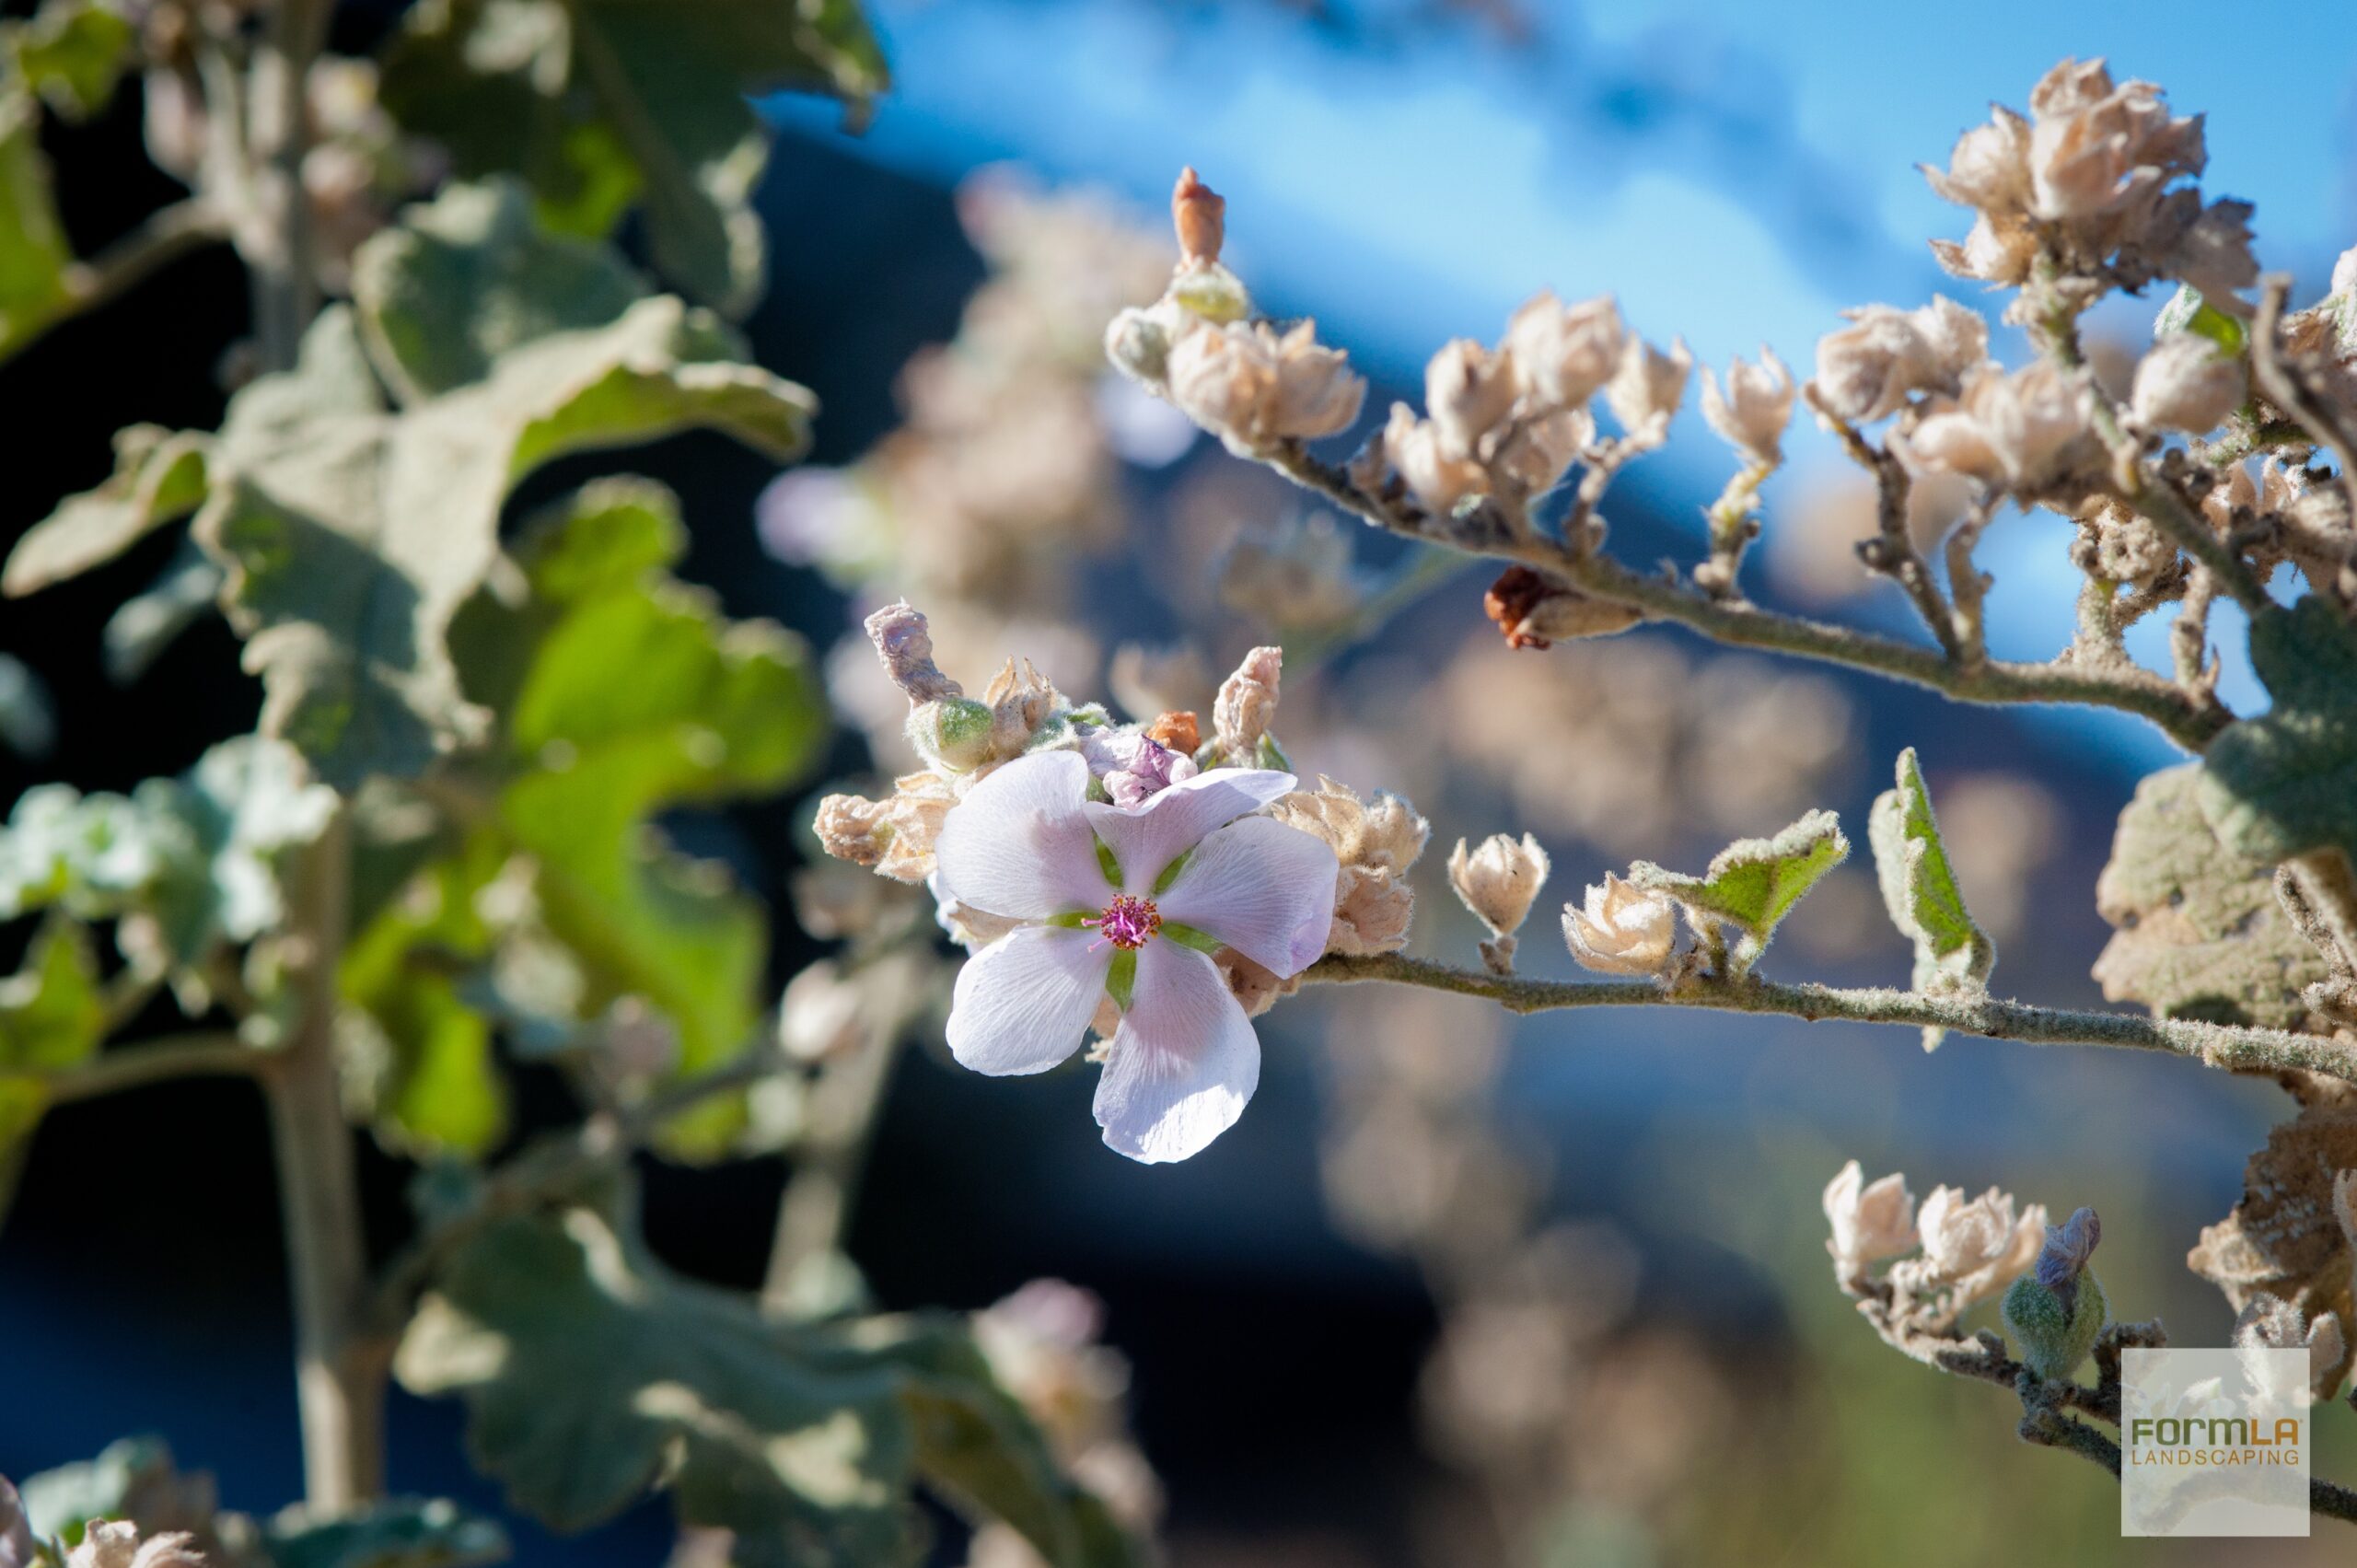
(2056, 1325)
(951, 732)
(1138, 346)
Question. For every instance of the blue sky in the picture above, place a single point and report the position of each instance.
(1736, 172)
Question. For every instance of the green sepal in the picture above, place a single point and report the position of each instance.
(1108, 863)
(1121, 979)
(1170, 872)
(1188, 936)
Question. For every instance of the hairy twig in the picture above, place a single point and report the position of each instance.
(1892, 551)
(2217, 1045)
(1743, 624)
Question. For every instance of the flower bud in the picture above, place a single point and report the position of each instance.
(1138, 346)
(1645, 390)
(1200, 215)
(1469, 391)
(1211, 292)
(1420, 454)
(1499, 881)
(2057, 1309)
(1990, 167)
(1870, 1220)
(2022, 430)
(2269, 1322)
(1751, 415)
(906, 649)
(1253, 388)
(1564, 354)
(1247, 707)
(1622, 929)
(953, 733)
(1536, 611)
(2185, 383)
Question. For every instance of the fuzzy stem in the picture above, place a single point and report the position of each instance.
(2217, 1045)
(340, 1368)
(206, 1053)
(278, 244)
(814, 1210)
(1743, 624)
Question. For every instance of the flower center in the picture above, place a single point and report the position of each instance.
(1128, 922)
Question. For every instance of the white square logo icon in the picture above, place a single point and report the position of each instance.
(2214, 1442)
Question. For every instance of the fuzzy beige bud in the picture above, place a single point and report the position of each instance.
(1469, 391)
(1644, 392)
(1247, 707)
(1421, 456)
(1990, 165)
(2185, 383)
(1374, 841)
(2093, 148)
(1871, 1220)
(1254, 388)
(1563, 354)
(2022, 430)
(906, 649)
(1751, 415)
(1622, 929)
(1499, 881)
(115, 1543)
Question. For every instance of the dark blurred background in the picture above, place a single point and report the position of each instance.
(1311, 1382)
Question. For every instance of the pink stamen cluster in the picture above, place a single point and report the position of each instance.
(1128, 922)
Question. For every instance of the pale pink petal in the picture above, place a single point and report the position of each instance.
(1185, 1060)
(1023, 1003)
(1147, 838)
(1019, 844)
(1264, 888)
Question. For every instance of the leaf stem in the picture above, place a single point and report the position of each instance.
(206, 1054)
(2217, 1045)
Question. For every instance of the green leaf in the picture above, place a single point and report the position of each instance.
(352, 533)
(52, 1016)
(34, 256)
(2199, 932)
(159, 477)
(600, 103)
(2186, 312)
(148, 622)
(1919, 889)
(430, 1083)
(592, 1376)
(2285, 783)
(621, 695)
(182, 864)
(470, 276)
(72, 52)
(398, 1532)
(1753, 883)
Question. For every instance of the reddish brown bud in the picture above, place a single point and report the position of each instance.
(1533, 610)
(1179, 731)
(1510, 601)
(1200, 214)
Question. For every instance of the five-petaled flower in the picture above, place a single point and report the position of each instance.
(1131, 901)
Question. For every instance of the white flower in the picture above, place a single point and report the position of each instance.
(1562, 354)
(1421, 456)
(1624, 929)
(1870, 1220)
(2022, 430)
(1757, 405)
(1974, 1248)
(1253, 388)
(2186, 384)
(1469, 391)
(1126, 901)
(1649, 385)
(1500, 880)
(115, 1543)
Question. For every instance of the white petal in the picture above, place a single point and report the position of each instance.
(1264, 888)
(1023, 1003)
(1147, 838)
(1185, 1060)
(1019, 844)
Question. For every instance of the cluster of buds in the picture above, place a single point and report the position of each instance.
(1507, 422)
(1970, 1249)
(1885, 357)
(2089, 183)
(1250, 385)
